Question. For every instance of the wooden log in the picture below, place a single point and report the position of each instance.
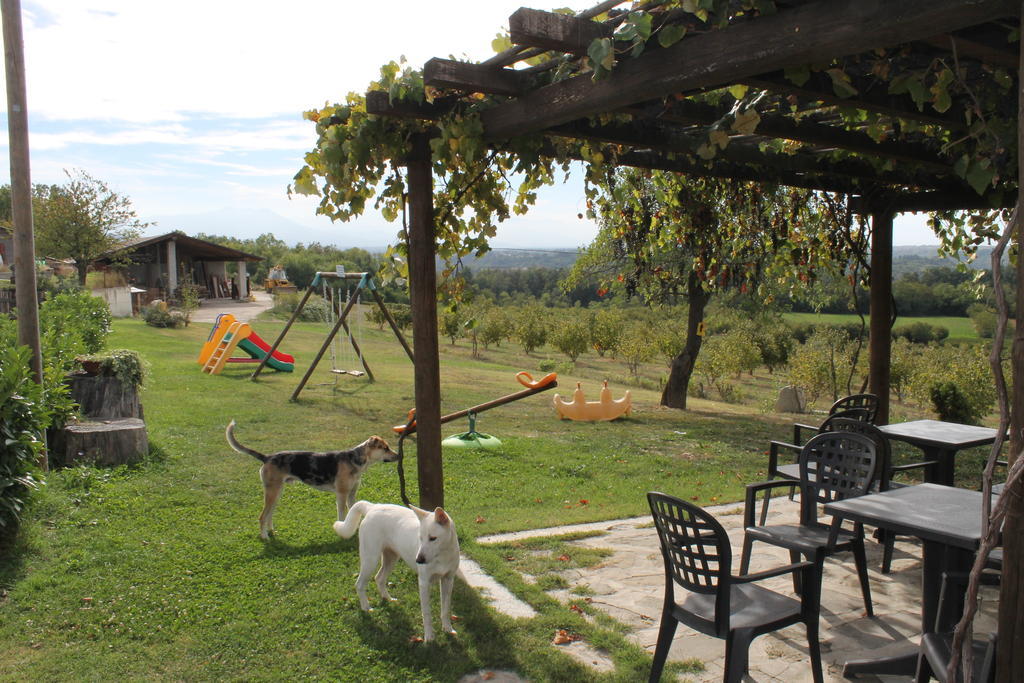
(550, 31)
(104, 397)
(107, 442)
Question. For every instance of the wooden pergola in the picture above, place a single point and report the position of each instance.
(816, 67)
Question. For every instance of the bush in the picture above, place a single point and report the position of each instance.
(316, 310)
(951, 404)
(723, 355)
(78, 314)
(824, 364)
(124, 364)
(921, 332)
(158, 316)
(966, 367)
(23, 419)
(635, 347)
(984, 323)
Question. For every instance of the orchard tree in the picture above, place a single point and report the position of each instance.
(665, 237)
(82, 219)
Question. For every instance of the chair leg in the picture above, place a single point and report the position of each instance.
(764, 511)
(748, 543)
(794, 557)
(924, 670)
(737, 650)
(861, 561)
(814, 649)
(665, 634)
(888, 543)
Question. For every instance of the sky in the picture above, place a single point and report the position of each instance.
(193, 109)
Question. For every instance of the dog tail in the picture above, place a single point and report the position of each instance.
(355, 515)
(230, 434)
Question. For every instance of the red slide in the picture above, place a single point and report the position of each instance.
(265, 347)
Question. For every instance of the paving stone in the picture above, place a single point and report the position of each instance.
(628, 586)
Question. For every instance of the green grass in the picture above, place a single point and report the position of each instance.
(959, 328)
(157, 571)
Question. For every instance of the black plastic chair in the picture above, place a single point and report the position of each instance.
(936, 648)
(833, 466)
(698, 557)
(862, 407)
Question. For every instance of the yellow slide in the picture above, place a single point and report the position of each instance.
(220, 326)
(235, 332)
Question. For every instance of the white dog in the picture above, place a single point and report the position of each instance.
(425, 540)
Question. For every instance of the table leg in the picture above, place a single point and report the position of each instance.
(936, 558)
(941, 470)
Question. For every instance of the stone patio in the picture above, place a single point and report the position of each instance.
(629, 585)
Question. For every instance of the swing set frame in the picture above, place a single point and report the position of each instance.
(363, 281)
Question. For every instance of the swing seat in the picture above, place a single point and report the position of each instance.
(354, 373)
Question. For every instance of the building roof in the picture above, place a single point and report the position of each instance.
(200, 250)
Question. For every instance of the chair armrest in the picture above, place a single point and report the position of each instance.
(797, 428)
(911, 466)
(773, 454)
(751, 499)
(769, 573)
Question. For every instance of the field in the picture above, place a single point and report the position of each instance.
(959, 328)
(157, 571)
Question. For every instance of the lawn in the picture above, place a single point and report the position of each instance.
(157, 571)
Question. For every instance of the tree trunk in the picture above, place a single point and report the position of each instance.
(674, 395)
(83, 266)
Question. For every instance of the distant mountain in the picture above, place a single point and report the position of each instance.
(498, 259)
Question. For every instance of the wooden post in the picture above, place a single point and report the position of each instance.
(287, 326)
(26, 298)
(423, 297)
(1010, 659)
(880, 331)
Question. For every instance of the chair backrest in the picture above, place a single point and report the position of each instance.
(883, 452)
(834, 466)
(865, 404)
(696, 551)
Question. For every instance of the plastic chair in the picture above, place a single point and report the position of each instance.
(862, 407)
(833, 466)
(936, 647)
(698, 558)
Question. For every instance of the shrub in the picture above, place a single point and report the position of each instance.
(921, 332)
(984, 322)
(78, 314)
(124, 364)
(951, 404)
(23, 418)
(451, 322)
(966, 367)
(723, 355)
(316, 310)
(158, 316)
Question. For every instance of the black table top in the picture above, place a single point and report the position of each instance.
(928, 511)
(947, 435)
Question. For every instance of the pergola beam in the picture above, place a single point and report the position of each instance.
(931, 201)
(819, 88)
(804, 35)
(552, 31)
(448, 73)
(806, 131)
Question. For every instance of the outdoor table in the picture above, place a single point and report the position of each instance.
(948, 522)
(940, 442)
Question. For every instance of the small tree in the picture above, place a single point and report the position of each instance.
(606, 326)
(571, 336)
(82, 219)
(532, 327)
(824, 364)
(494, 327)
(635, 348)
(452, 322)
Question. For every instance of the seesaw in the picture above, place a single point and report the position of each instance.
(532, 387)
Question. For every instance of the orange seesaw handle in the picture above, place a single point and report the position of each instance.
(527, 380)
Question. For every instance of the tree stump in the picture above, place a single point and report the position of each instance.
(105, 442)
(104, 397)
